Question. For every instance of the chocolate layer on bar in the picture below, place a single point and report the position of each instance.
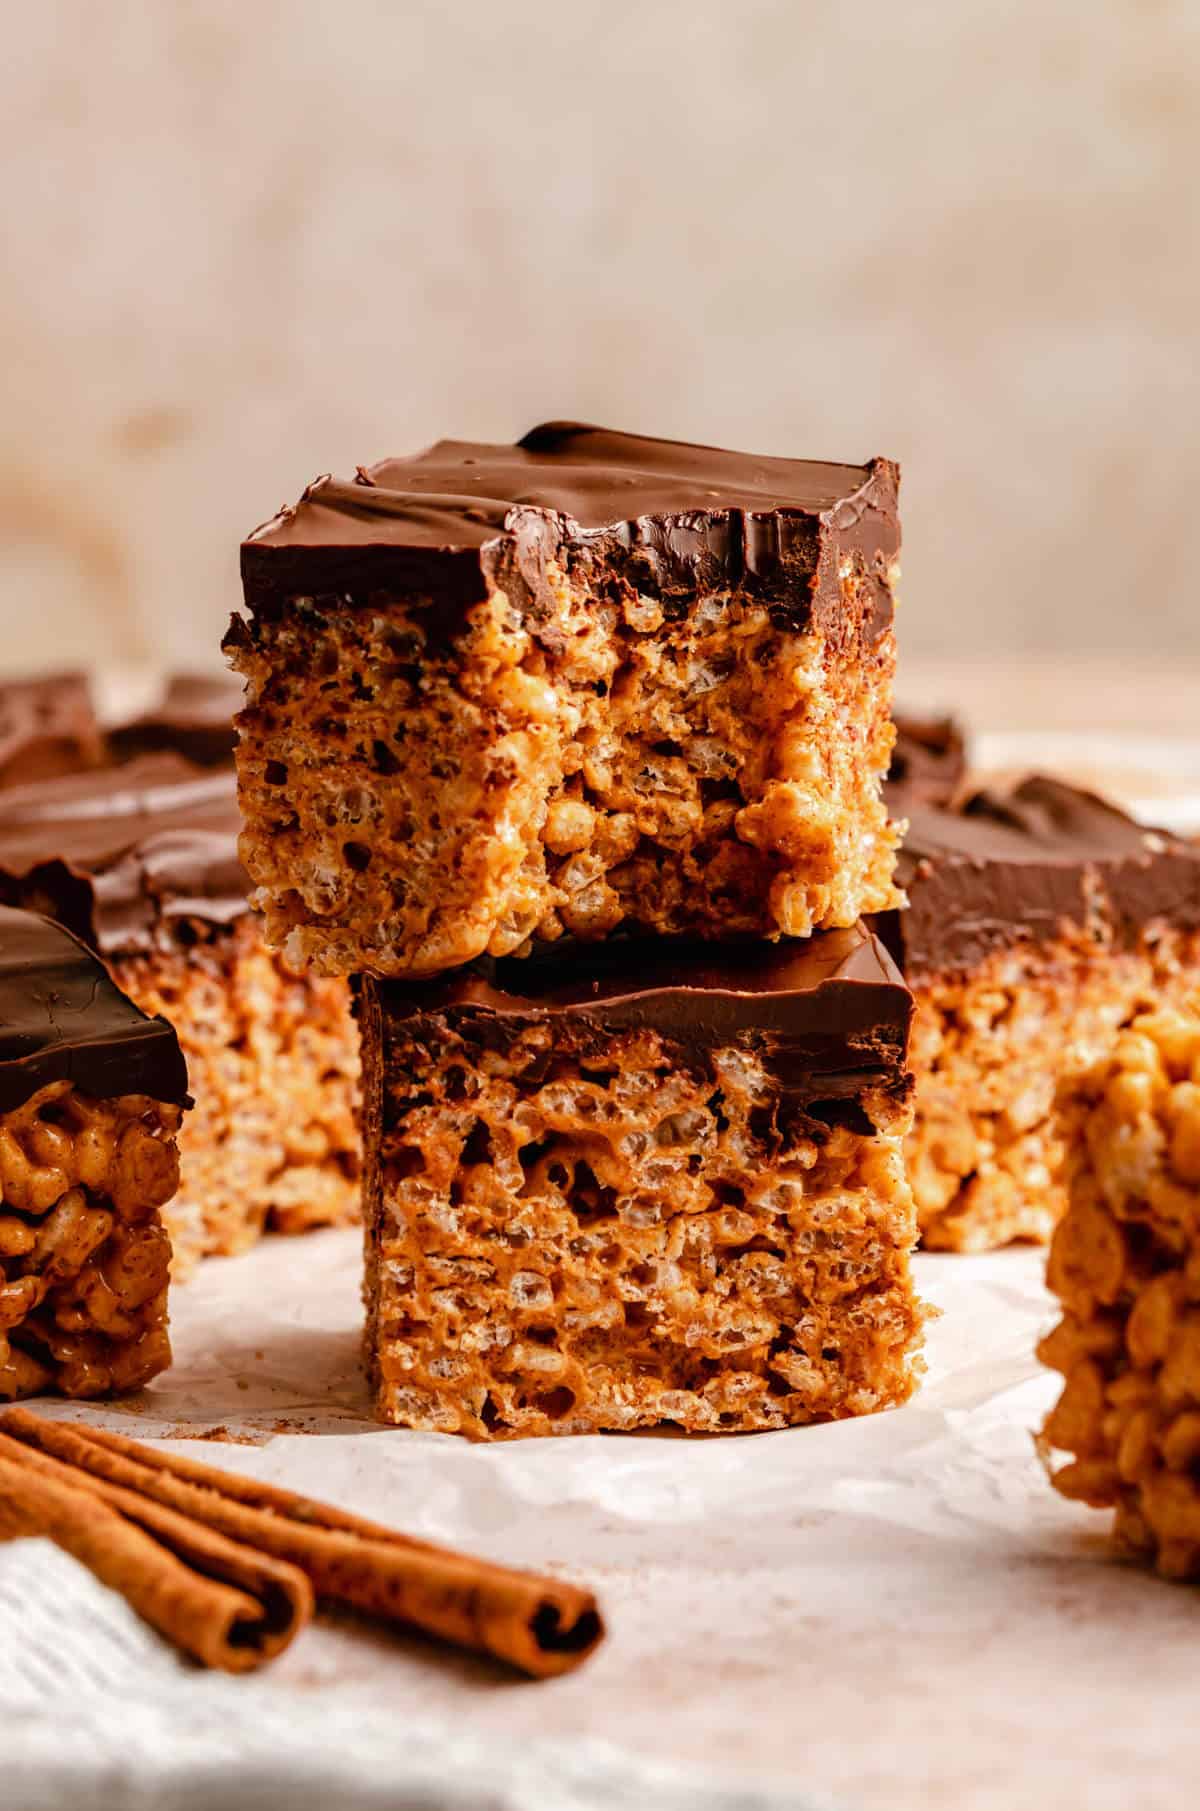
(194, 719)
(829, 1015)
(929, 763)
(47, 726)
(128, 855)
(63, 1019)
(1017, 865)
(667, 515)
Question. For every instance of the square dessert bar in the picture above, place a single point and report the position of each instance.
(141, 863)
(590, 681)
(929, 763)
(1125, 1264)
(1040, 919)
(48, 726)
(193, 718)
(640, 1184)
(91, 1096)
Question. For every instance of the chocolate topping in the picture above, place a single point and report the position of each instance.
(63, 1019)
(126, 856)
(1016, 865)
(193, 719)
(830, 1014)
(929, 763)
(47, 726)
(679, 515)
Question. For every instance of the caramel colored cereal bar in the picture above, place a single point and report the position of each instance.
(1125, 1264)
(1040, 920)
(141, 863)
(91, 1096)
(621, 1186)
(590, 681)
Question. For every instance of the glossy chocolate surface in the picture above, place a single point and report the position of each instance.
(683, 516)
(125, 855)
(1020, 864)
(63, 1019)
(829, 1014)
(459, 493)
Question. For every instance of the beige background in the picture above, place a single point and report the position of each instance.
(248, 240)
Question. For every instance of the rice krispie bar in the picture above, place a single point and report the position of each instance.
(1040, 920)
(91, 1096)
(193, 718)
(640, 1185)
(1125, 1264)
(590, 681)
(141, 863)
(929, 763)
(48, 726)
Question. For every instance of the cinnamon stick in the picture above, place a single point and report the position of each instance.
(537, 1624)
(217, 1622)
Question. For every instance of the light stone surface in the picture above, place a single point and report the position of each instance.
(246, 243)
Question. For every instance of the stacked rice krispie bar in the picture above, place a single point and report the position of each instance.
(92, 1093)
(641, 1187)
(572, 753)
(141, 863)
(585, 683)
(1125, 1265)
(48, 726)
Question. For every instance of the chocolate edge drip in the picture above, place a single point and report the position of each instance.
(835, 1029)
(792, 547)
(62, 1018)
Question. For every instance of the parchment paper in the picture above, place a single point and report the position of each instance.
(886, 1614)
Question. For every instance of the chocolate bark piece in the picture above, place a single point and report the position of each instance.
(141, 862)
(1040, 920)
(48, 726)
(194, 718)
(588, 682)
(1125, 1266)
(92, 1092)
(929, 763)
(608, 1188)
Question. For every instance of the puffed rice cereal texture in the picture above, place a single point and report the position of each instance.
(1125, 1264)
(990, 1051)
(84, 1254)
(674, 764)
(272, 1140)
(568, 1232)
